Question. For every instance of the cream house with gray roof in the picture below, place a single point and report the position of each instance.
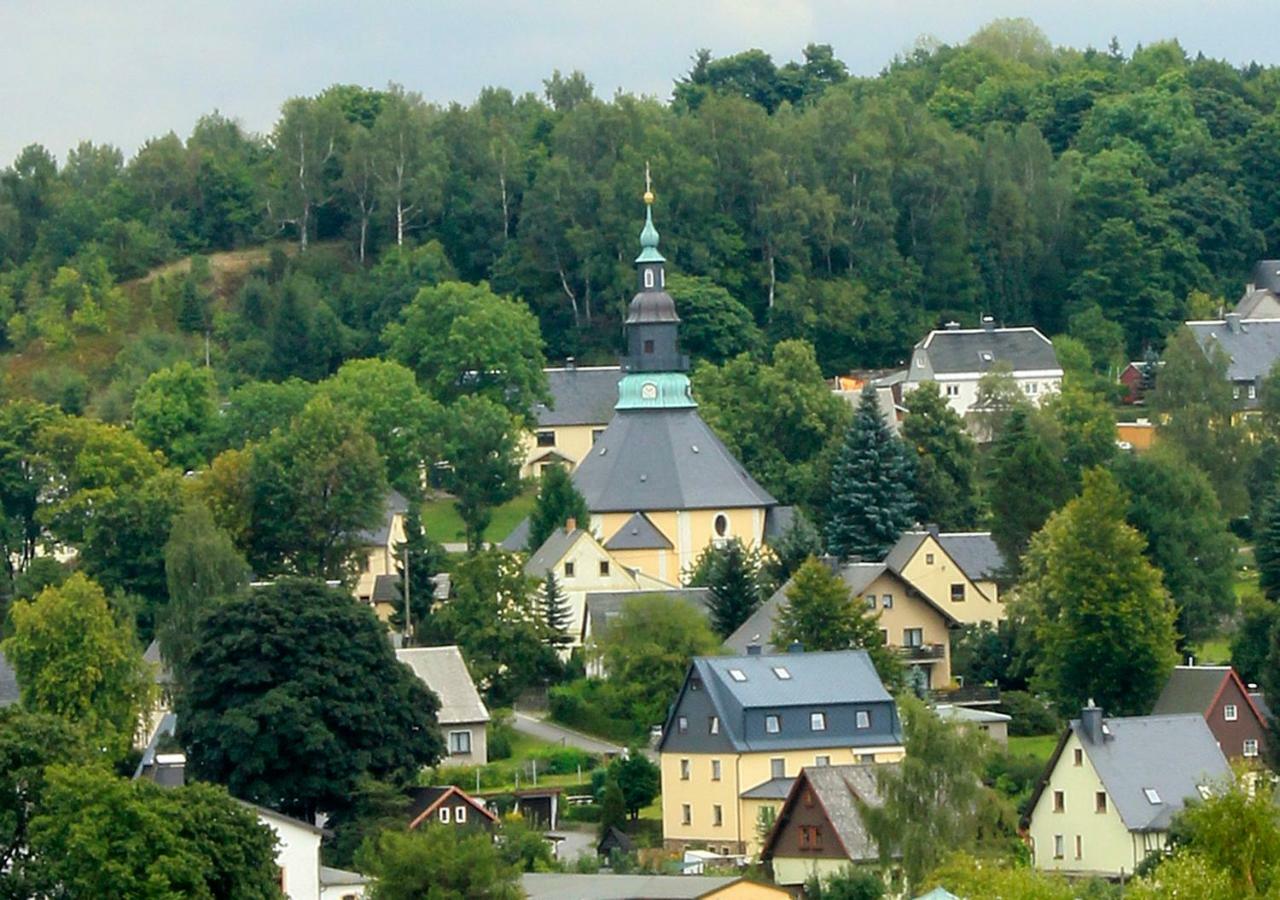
(463, 716)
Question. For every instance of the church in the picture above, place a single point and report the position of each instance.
(659, 484)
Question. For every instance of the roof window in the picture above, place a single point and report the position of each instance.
(737, 675)
(1152, 796)
(986, 355)
(782, 673)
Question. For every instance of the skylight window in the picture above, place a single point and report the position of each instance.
(1152, 796)
(986, 356)
(737, 675)
(782, 673)
(1205, 793)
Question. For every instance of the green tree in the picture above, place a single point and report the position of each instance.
(306, 138)
(974, 875)
(647, 651)
(1086, 426)
(1252, 639)
(613, 806)
(327, 703)
(1026, 482)
(847, 884)
(75, 659)
(1101, 619)
(639, 780)
(482, 444)
(871, 487)
(437, 863)
(1173, 505)
(426, 560)
(21, 478)
(797, 543)
(495, 615)
(1266, 549)
(558, 502)
(202, 565)
(173, 412)
(736, 578)
(933, 801)
(713, 325)
(375, 806)
(1195, 413)
(252, 411)
(556, 611)
(946, 487)
(822, 614)
(463, 339)
(313, 488)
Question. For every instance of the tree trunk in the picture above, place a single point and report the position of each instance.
(506, 211)
(773, 280)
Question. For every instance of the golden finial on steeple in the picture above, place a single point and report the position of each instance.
(648, 186)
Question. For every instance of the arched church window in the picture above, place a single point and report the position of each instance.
(648, 278)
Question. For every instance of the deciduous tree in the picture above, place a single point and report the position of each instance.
(946, 482)
(482, 444)
(558, 503)
(174, 411)
(426, 862)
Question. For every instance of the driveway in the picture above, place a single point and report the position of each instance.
(565, 737)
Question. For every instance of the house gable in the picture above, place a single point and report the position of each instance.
(450, 797)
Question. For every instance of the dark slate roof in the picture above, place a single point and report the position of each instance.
(1266, 274)
(392, 505)
(900, 553)
(773, 789)
(1260, 704)
(518, 540)
(331, 877)
(579, 396)
(664, 459)
(614, 839)
(1174, 755)
(1190, 689)
(422, 799)
(9, 693)
(163, 675)
(960, 350)
(1252, 346)
(386, 589)
(975, 552)
(551, 552)
(638, 533)
(602, 607)
(837, 789)
(758, 627)
(1259, 304)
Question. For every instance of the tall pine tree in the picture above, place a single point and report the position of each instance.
(734, 575)
(556, 612)
(872, 501)
(426, 561)
(558, 502)
(1266, 549)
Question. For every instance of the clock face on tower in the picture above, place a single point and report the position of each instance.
(649, 391)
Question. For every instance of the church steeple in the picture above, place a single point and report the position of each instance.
(652, 323)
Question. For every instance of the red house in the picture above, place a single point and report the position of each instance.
(448, 805)
(1218, 694)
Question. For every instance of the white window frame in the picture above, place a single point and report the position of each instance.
(887, 601)
(817, 721)
(1059, 846)
(713, 726)
(822, 760)
(648, 278)
(1230, 712)
(717, 815)
(772, 724)
(862, 719)
(460, 815)
(453, 735)
(443, 815)
(1250, 748)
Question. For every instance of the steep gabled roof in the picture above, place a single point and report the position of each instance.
(1195, 689)
(1252, 346)
(638, 533)
(552, 551)
(424, 801)
(901, 553)
(976, 350)
(579, 396)
(975, 552)
(444, 671)
(518, 539)
(664, 459)
(837, 790)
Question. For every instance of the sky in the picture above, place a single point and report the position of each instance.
(122, 71)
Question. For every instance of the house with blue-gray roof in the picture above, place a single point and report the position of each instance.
(742, 728)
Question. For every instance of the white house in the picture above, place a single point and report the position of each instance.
(298, 856)
(463, 716)
(957, 358)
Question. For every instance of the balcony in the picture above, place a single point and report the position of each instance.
(967, 695)
(923, 652)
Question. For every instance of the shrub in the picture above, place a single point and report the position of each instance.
(1030, 715)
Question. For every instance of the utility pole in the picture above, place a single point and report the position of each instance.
(408, 623)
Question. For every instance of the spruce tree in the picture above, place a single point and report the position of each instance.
(556, 612)
(558, 502)
(872, 501)
(735, 578)
(946, 460)
(426, 561)
(1266, 551)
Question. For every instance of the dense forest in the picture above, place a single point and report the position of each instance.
(1003, 176)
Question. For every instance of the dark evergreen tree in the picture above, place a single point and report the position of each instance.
(426, 561)
(946, 460)
(872, 501)
(799, 541)
(556, 611)
(558, 502)
(1266, 551)
(733, 574)
(1027, 483)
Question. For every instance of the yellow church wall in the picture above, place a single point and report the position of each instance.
(690, 531)
(936, 577)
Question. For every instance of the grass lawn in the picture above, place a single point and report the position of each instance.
(1040, 746)
(442, 523)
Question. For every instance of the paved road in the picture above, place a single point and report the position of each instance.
(558, 734)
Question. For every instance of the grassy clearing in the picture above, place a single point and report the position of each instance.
(1040, 746)
(442, 523)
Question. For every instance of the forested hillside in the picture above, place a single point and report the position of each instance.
(1003, 176)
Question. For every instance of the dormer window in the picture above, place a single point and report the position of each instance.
(817, 721)
(713, 725)
(772, 724)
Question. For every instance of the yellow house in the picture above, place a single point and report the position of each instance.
(911, 622)
(660, 486)
(582, 565)
(1113, 786)
(581, 406)
(378, 546)
(957, 570)
(743, 727)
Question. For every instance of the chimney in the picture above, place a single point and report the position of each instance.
(754, 649)
(1233, 321)
(933, 529)
(570, 363)
(988, 323)
(796, 647)
(952, 326)
(1091, 722)
(570, 525)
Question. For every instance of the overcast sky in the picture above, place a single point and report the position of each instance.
(120, 71)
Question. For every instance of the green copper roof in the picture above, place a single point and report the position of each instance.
(655, 390)
(649, 240)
